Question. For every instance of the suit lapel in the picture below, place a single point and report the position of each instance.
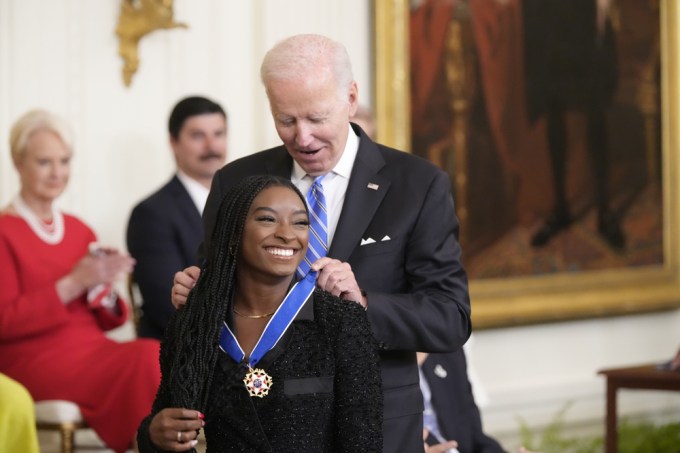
(279, 163)
(189, 221)
(186, 205)
(365, 192)
(361, 201)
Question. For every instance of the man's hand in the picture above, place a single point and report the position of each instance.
(337, 278)
(439, 448)
(183, 282)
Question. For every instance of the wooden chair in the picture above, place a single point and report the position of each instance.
(64, 417)
(135, 301)
(640, 377)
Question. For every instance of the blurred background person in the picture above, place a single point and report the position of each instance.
(17, 418)
(452, 421)
(365, 119)
(165, 229)
(451, 416)
(57, 299)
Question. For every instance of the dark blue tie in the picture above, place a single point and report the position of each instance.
(318, 227)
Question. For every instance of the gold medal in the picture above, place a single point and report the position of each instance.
(257, 382)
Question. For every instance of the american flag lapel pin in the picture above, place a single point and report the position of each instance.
(373, 186)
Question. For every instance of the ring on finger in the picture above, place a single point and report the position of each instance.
(179, 437)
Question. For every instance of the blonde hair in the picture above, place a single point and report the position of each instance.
(32, 122)
(301, 55)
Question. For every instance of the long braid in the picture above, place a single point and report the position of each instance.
(193, 334)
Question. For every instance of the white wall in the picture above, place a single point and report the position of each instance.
(533, 372)
(62, 55)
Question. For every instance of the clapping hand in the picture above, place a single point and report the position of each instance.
(444, 447)
(103, 266)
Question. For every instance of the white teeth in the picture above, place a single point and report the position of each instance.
(281, 252)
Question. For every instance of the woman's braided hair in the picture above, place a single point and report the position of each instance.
(192, 339)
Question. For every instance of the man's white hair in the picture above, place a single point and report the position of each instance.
(299, 55)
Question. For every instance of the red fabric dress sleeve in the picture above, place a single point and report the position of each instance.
(29, 311)
(29, 303)
(110, 319)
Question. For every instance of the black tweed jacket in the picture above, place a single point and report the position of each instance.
(326, 393)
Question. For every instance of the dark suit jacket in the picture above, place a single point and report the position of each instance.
(163, 235)
(454, 403)
(415, 283)
(325, 394)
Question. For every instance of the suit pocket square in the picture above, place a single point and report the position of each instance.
(367, 241)
(386, 238)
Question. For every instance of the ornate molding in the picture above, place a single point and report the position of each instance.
(137, 19)
(392, 80)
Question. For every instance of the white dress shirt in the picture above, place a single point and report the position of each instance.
(197, 191)
(334, 184)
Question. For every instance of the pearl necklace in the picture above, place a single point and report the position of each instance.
(51, 234)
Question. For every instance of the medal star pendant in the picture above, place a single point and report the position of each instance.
(257, 382)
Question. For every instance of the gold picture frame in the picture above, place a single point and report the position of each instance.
(558, 297)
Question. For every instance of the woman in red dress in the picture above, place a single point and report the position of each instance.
(56, 300)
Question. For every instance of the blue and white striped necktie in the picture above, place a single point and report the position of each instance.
(318, 227)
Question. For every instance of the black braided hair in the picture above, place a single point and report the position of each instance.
(193, 334)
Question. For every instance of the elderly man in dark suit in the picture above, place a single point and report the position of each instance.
(165, 229)
(391, 223)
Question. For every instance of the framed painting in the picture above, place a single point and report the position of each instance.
(558, 125)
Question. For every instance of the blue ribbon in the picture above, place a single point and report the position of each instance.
(276, 327)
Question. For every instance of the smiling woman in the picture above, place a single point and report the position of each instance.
(274, 240)
(57, 298)
(265, 363)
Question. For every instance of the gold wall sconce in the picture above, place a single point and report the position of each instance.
(137, 19)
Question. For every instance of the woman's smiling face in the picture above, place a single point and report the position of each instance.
(44, 167)
(275, 233)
